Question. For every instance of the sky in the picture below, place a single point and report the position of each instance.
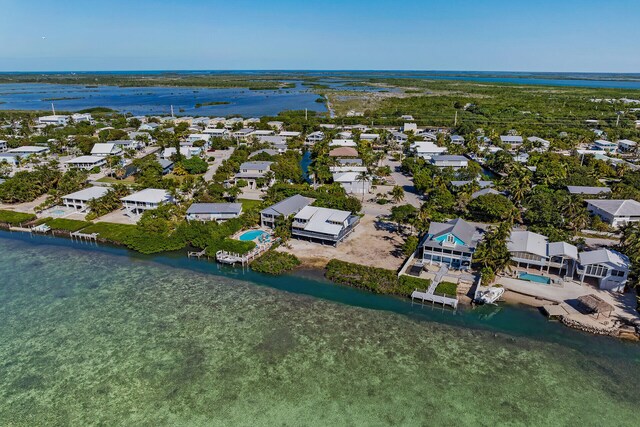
(491, 35)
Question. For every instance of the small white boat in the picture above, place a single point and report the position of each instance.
(490, 296)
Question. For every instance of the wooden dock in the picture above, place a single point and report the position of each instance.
(231, 258)
(434, 298)
(93, 237)
(197, 254)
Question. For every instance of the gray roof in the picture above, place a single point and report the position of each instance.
(289, 206)
(458, 227)
(215, 208)
(527, 241)
(578, 189)
(449, 158)
(605, 256)
(87, 194)
(268, 151)
(510, 138)
(484, 192)
(617, 207)
(256, 165)
(562, 249)
(165, 163)
(482, 184)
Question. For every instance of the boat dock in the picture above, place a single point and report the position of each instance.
(231, 258)
(93, 237)
(430, 295)
(197, 254)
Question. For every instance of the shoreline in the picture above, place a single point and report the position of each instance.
(314, 268)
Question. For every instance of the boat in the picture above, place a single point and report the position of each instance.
(490, 295)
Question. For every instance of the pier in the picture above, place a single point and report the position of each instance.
(231, 258)
(430, 295)
(194, 254)
(93, 237)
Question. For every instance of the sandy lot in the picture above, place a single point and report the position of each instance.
(373, 243)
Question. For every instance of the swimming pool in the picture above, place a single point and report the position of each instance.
(534, 278)
(251, 235)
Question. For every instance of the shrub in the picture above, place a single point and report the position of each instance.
(15, 218)
(275, 263)
(378, 280)
(230, 245)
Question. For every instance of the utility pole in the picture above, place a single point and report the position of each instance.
(53, 109)
(305, 115)
(617, 119)
(455, 120)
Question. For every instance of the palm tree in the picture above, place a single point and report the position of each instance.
(364, 177)
(397, 194)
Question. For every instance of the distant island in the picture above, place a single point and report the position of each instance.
(205, 104)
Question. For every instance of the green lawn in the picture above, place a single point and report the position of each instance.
(130, 180)
(447, 288)
(117, 233)
(15, 218)
(248, 204)
(70, 225)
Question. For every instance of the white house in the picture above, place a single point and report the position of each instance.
(12, 159)
(191, 139)
(289, 134)
(399, 137)
(106, 149)
(323, 225)
(82, 117)
(450, 161)
(342, 143)
(147, 199)
(55, 120)
(28, 150)
(217, 133)
(615, 212)
(533, 250)
(410, 127)
(513, 141)
(186, 151)
(541, 144)
(86, 162)
(253, 171)
(369, 137)
(427, 149)
(314, 137)
(213, 211)
(610, 268)
(243, 134)
(80, 199)
(352, 182)
(457, 139)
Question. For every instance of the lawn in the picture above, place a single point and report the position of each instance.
(447, 288)
(15, 218)
(248, 204)
(116, 233)
(70, 225)
(130, 180)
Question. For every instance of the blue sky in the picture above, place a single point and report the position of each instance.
(542, 35)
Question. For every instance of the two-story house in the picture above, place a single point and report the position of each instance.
(451, 243)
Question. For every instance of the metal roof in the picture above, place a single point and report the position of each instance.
(617, 207)
(578, 189)
(88, 193)
(605, 256)
(215, 208)
(527, 241)
(148, 195)
(288, 206)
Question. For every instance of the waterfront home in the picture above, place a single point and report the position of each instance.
(352, 182)
(213, 211)
(608, 267)
(513, 141)
(217, 133)
(457, 139)
(427, 150)
(604, 145)
(195, 137)
(289, 134)
(314, 137)
(323, 225)
(79, 200)
(106, 149)
(54, 120)
(615, 212)
(626, 145)
(86, 162)
(283, 209)
(533, 250)
(251, 172)
(343, 152)
(3, 146)
(147, 199)
(243, 134)
(450, 161)
(588, 191)
(450, 243)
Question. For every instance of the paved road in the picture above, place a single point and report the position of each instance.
(411, 196)
(220, 156)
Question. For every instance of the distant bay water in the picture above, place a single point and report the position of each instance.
(249, 103)
(93, 335)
